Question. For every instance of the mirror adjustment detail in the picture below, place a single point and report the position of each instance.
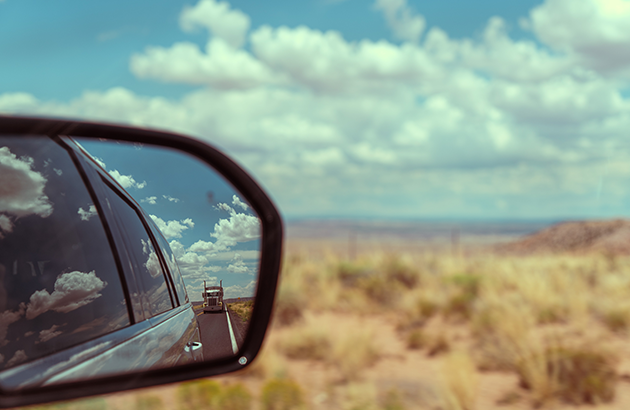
(114, 244)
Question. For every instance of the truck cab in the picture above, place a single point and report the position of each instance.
(213, 298)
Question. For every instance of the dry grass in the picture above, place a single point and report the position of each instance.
(282, 394)
(552, 329)
(307, 342)
(354, 352)
(243, 310)
(459, 381)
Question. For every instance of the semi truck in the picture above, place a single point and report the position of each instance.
(213, 298)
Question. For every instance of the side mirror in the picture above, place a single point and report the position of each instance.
(128, 258)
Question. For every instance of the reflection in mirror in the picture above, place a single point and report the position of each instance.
(127, 258)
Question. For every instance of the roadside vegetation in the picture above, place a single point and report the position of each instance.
(435, 331)
(242, 309)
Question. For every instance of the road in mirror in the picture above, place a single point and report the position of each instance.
(118, 257)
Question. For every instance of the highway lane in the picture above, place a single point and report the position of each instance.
(216, 336)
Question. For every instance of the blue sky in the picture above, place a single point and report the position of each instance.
(60, 49)
(355, 109)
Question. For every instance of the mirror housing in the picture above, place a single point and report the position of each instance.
(270, 259)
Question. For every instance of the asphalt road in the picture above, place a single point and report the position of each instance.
(217, 339)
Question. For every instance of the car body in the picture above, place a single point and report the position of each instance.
(106, 294)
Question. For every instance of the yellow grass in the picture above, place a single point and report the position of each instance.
(514, 331)
(242, 309)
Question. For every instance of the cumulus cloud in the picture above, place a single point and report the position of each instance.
(238, 291)
(86, 215)
(594, 31)
(401, 19)
(172, 229)
(6, 226)
(47, 334)
(237, 265)
(100, 162)
(240, 227)
(153, 263)
(72, 290)
(18, 357)
(6, 319)
(151, 200)
(170, 198)
(379, 127)
(127, 181)
(219, 66)
(236, 201)
(192, 265)
(219, 19)
(21, 190)
(222, 64)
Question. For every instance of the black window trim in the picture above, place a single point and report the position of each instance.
(105, 223)
(109, 182)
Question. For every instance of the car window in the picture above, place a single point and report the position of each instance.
(171, 262)
(54, 255)
(145, 261)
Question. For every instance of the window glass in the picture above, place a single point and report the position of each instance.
(146, 264)
(59, 283)
(172, 266)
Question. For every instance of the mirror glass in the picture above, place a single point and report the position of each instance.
(116, 258)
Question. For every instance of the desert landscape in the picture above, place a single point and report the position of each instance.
(433, 316)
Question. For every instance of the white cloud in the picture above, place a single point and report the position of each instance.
(153, 263)
(100, 162)
(239, 228)
(404, 22)
(21, 190)
(236, 201)
(151, 200)
(86, 215)
(127, 181)
(72, 290)
(219, 66)
(170, 198)
(47, 334)
(192, 265)
(228, 232)
(594, 31)
(18, 102)
(378, 126)
(19, 357)
(327, 63)
(6, 225)
(7, 318)
(237, 291)
(237, 265)
(219, 19)
(173, 229)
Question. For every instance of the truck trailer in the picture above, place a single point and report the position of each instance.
(213, 298)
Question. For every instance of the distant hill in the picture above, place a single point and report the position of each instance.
(611, 236)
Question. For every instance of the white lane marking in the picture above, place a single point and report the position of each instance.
(232, 339)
